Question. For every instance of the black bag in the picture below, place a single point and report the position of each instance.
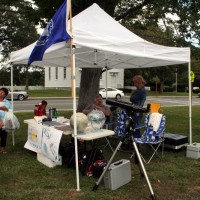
(98, 167)
(68, 153)
(87, 159)
(84, 162)
(68, 156)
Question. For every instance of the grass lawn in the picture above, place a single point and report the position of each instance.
(67, 93)
(49, 93)
(176, 177)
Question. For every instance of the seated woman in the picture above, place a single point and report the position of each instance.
(97, 105)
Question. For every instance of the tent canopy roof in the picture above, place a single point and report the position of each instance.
(101, 41)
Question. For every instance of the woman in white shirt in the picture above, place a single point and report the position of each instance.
(4, 107)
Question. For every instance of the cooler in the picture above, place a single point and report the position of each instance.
(193, 150)
(118, 174)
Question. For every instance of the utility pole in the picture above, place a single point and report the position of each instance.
(176, 72)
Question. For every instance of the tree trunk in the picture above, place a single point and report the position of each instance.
(161, 86)
(89, 86)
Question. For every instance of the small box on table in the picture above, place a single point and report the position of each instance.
(118, 174)
(193, 150)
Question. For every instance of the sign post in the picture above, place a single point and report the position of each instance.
(176, 79)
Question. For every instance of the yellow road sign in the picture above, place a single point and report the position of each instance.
(192, 76)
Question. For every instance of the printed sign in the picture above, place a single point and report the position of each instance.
(34, 142)
(50, 143)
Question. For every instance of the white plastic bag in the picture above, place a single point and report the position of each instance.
(10, 121)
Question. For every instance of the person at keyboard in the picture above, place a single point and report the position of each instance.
(138, 98)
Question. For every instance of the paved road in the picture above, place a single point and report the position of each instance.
(174, 101)
(28, 105)
(67, 103)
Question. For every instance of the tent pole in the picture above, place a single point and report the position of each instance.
(73, 77)
(74, 113)
(12, 101)
(11, 81)
(190, 102)
(69, 14)
(106, 82)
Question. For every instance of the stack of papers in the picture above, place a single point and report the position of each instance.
(39, 119)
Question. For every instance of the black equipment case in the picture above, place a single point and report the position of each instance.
(175, 141)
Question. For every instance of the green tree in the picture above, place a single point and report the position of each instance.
(36, 75)
(17, 30)
(166, 22)
(152, 31)
(4, 76)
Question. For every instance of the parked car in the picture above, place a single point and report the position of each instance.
(18, 95)
(111, 93)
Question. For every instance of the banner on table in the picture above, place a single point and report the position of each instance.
(50, 143)
(34, 142)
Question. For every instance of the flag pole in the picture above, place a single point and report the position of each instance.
(71, 45)
(72, 63)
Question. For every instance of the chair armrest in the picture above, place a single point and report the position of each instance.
(139, 127)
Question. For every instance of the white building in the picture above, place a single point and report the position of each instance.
(60, 77)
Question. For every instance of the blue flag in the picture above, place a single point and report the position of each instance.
(54, 32)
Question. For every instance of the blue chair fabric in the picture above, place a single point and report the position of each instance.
(152, 137)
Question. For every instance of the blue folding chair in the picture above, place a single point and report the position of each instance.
(107, 125)
(153, 134)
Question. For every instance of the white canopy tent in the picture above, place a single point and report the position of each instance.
(100, 42)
